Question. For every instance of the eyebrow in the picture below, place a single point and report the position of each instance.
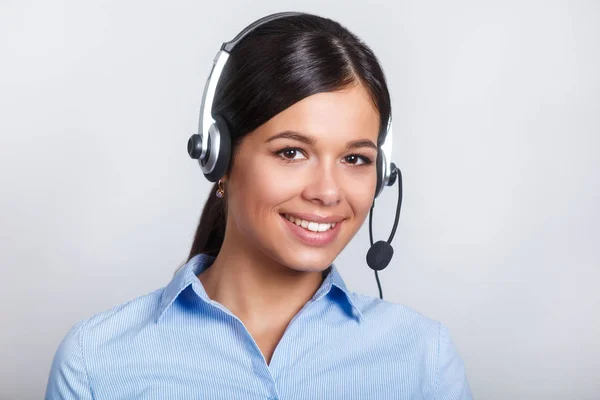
(355, 144)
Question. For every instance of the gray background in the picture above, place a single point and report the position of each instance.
(497, 122)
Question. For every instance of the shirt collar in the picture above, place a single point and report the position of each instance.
(188, 275)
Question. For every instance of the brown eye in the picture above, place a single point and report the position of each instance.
(357, 159)
(352, 159)
(289, 153)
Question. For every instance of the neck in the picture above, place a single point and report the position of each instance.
(254, 287)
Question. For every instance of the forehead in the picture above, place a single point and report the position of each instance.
(344, 115)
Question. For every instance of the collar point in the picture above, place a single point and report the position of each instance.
(359, 316)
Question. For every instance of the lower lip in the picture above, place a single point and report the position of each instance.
(313, 238)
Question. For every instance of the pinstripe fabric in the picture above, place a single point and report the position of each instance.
(176, 343)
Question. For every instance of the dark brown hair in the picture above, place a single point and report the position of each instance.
(275, 66)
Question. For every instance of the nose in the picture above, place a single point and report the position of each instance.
(324, 187)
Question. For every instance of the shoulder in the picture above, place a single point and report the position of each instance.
(125, 315)
(401, 331)
(115, 320)
(69, 373)
(394, 315)
(410, 335)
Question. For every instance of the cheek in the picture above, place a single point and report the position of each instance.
(361, 201)
(261, 188)
(360, 192)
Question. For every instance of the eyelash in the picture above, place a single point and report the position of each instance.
(365, 159)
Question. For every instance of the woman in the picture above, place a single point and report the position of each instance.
(259, 311)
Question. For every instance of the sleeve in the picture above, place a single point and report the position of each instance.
(451, 379)
(68, 375)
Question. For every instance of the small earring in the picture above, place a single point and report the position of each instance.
(220, 190)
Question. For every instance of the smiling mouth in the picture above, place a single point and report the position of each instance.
(309, 225)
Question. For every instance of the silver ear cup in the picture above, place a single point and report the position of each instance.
(383, 172)
(385, 169)
(211, 152)
(205, 148)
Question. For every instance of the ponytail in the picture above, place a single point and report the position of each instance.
(211, 228)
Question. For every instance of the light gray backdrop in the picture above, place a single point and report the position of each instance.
(497, 122)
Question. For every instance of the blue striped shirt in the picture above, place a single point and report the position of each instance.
(177, 343)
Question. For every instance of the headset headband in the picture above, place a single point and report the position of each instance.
(228, 46)
(206, 119)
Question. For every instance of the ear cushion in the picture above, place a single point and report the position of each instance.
(379, 163)
(224, 138)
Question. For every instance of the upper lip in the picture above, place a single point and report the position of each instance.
(317, 218)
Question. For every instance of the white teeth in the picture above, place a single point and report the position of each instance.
(311, 226)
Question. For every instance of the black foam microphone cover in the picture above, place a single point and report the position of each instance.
(379, 255)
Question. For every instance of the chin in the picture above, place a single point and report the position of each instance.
(304, 261)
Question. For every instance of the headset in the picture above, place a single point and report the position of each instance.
(211, 146)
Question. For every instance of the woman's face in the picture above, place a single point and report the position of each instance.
(301, 184)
